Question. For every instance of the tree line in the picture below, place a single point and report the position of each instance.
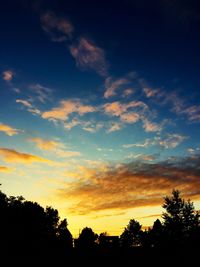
(31, 233)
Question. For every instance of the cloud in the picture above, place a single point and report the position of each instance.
(8, 129)
(149, 92)
(13, 156)
(45, 144)
(115, 126)
(171, 140)
(192, 113)
(141, 157)
(92, 128)
(127, 112)
(30, 107)
(112, 86)
(130, 117)
(88, 126)
(66, 153)
(118, 109)
(127, 92)
(73, 123)
(24, 102)
(8, 75)
(56, 147)
(151, 126)
(125, 186)
(43, 93)
(89, 56)
(145, 144)
(5, 169)
(58, 28)
(66, 108)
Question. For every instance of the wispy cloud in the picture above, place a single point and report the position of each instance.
(92, 127)
(132, 185)
(30, 107)
(192, 113)
(151, 126)
(56, 147)
(117, 108)
(58, 28)
(13, 156)
(42, 93)
(89, 56)
(8, 75)
(66, 108)
(127, 92)
(24, 102)
(115, 126)
(7, 129)
(127, 112)
(71, 124)
(149, 92)
(45, 144)
(88, 126)
(141, 157)
(145, 144)
(113, 86)
(171, 140)
(67, 153)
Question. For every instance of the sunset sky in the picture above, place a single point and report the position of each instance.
(100, 107)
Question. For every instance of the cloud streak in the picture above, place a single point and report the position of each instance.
(56, 147)
(8, 129)
(13, 156)
(30, 107)
(125, 186)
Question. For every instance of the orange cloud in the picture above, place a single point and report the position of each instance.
(132, 185)
(65, 108)
(8, 75)
(45, 144)
(5, 169)
(89, 56)
(13, 156)
(127, 112)
(56, 147)
(8, 129)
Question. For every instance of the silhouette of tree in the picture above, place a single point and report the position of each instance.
(64, 235)
(102, 240)
(86, 239)
(180, 218)
(132, 234)
(157, 234)
(27, 230)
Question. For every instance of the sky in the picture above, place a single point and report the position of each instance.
(100, 107)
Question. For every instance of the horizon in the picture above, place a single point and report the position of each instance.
(99, 107)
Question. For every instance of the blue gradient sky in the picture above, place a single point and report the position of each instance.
(99, 106)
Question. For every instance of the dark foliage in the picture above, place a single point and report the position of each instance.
(32, 235)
